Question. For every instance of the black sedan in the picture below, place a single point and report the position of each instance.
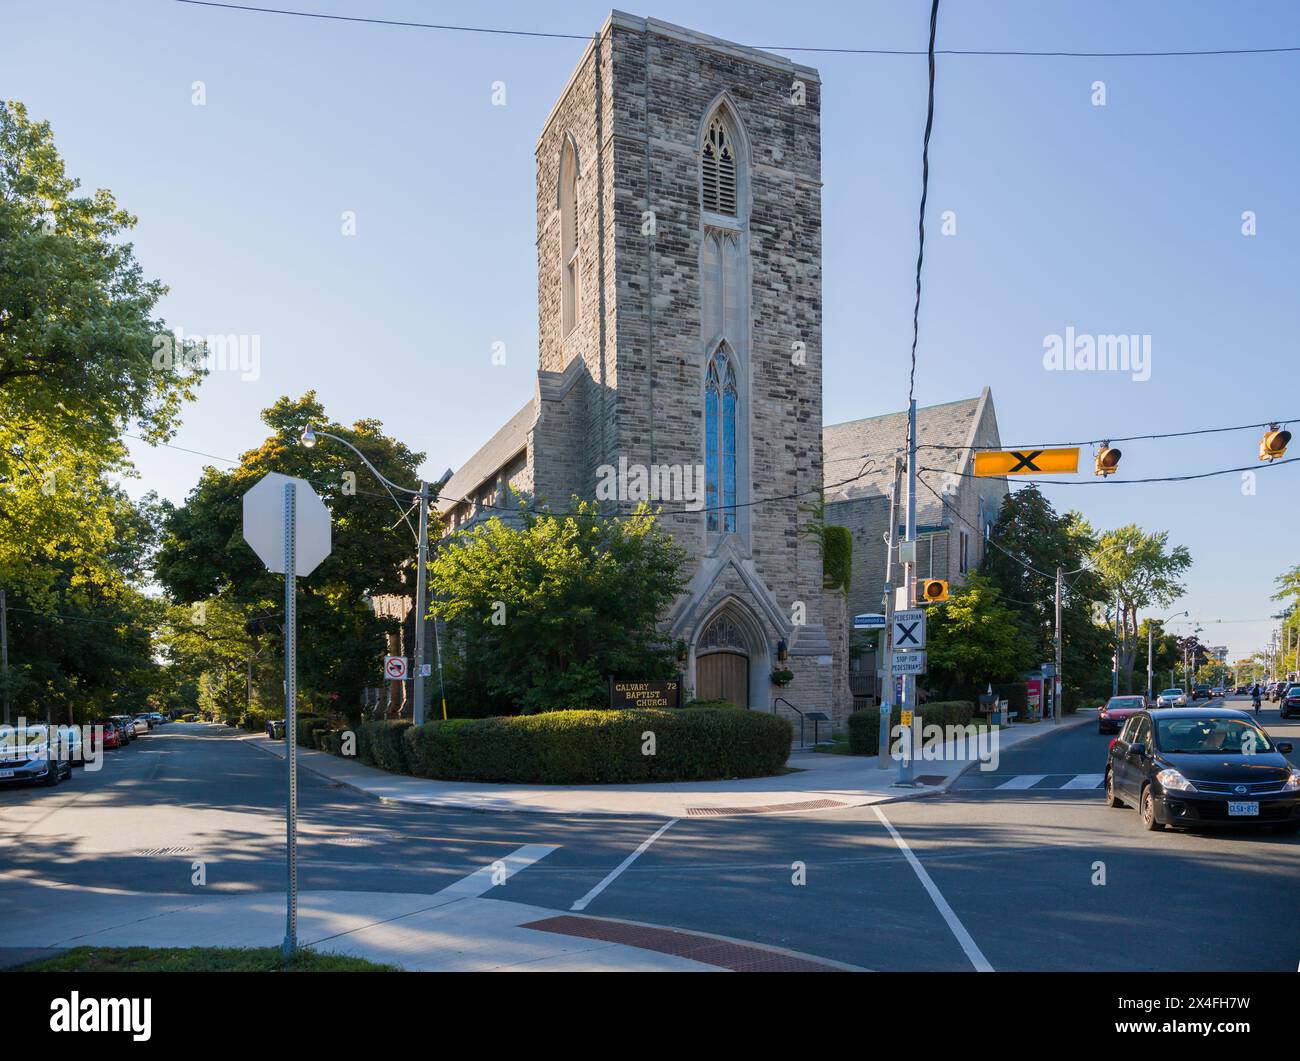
(1290, 701)
(1203, 766)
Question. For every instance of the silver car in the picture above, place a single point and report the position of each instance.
(1172, 698)
(29, 754)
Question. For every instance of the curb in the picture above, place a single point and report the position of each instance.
(252, 739)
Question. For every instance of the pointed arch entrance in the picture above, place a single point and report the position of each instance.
(730, 657)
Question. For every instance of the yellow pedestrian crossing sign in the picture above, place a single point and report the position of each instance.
(1026, 461)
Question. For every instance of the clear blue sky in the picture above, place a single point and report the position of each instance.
(1115, 219)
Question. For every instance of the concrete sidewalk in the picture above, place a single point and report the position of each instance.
(454, 930)
(822, 782)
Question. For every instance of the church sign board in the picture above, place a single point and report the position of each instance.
(625, 694)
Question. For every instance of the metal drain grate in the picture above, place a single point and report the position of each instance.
(153, 852)
(774, 808)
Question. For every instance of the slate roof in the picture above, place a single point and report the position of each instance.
(866, 448)
(512, 438)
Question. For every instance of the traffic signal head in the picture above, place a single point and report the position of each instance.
(1274, 443)
(931, 590)
(1107, 460)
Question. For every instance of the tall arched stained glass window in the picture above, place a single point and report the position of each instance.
(720, 443)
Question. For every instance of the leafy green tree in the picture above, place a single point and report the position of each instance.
(1140, 570)
(973, 638)
(77, 366)
(1030, 540)
(543, 611)
(203, 555)
(1167, 655)
(84, 646)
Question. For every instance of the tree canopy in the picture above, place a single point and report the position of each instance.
(545, 608)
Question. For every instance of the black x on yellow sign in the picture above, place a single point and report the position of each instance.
(1027, 462)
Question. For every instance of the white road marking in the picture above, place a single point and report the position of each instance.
(1085, 781)
(581, 904)
(480, 881)
(969, 945)
(1023, 781)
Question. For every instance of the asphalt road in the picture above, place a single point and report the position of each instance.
(1003, 877)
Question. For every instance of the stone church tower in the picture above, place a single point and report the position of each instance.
(679, 306)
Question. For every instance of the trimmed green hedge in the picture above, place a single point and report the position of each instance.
(721, 705)
(864, 725)
(307, 726)
(379, 743)
(596, 747)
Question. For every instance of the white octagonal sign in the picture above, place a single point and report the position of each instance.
(264, 524)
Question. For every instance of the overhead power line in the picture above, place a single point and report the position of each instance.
(1112, 480)
(826, 49)
(1111, 438)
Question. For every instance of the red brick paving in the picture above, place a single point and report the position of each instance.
(738, 957)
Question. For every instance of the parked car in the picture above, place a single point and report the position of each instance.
(158, 717)
(145, 717)
(29, 753)
(1172, 698)
(1202, 766)
(110, 735)
(1112, 715)
(127, 725)
(1290, 701)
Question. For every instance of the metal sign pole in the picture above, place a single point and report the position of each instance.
(291, 718)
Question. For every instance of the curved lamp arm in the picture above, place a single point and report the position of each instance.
(309, 436)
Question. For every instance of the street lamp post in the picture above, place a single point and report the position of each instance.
(422, 496)
(1151, 689)
(1060, 593)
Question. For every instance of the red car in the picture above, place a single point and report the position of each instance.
(1116, 711)
(109, 733)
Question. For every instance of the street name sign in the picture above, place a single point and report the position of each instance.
(1026, 461)
(909, 631)
(909, 662)
(868, 622)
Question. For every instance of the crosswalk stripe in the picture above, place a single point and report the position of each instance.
(1023, 781)
(1085, 781)
(481, 881)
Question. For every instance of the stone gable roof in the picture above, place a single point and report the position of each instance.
(493, 455)
(866, 448)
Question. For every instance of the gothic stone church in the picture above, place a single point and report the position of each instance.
(679, 315)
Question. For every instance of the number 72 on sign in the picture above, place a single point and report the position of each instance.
(1027, 461)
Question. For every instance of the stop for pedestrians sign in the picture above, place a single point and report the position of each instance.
(395, 668)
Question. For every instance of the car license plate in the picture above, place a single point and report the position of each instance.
(1243, 810)
(6, 773)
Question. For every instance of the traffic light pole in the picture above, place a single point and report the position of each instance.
(909, 590)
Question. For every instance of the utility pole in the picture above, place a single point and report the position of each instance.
(1150, 664)
(1114, 684)
(421, 605)
(1056, 678)
(909, 590)
(886, 667)
(4, 651)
